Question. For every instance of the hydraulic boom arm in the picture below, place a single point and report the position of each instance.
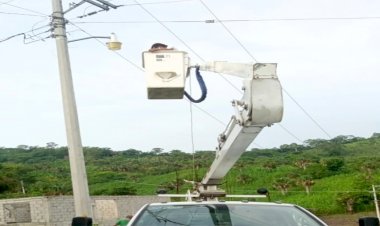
(260, 106)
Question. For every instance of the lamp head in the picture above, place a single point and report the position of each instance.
(113, 44)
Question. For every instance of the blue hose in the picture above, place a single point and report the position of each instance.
(202, 86)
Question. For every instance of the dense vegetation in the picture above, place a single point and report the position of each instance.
(326, 176)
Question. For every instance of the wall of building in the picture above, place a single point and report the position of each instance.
(59, 210)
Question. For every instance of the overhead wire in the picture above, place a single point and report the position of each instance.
(29, 10)
(249, 53)
(311, 118)
(211, 21)
(37, 35)
(2, 3)
(21, 14)
(24, 33)
(12, 36)
(134, 4)
(157, 3)
(192, 129)
(24, 14)
(228, 30)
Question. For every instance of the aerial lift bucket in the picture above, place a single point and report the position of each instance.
(165, 73)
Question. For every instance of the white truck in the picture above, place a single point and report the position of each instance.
(260, 106)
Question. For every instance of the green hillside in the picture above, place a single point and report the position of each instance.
(325, 176)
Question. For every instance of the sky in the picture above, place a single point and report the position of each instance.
(327, 53)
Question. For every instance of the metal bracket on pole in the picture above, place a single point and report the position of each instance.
(105, 7)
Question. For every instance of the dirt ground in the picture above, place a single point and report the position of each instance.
(346, 219)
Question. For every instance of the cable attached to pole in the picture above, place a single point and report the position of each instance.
(202, 85)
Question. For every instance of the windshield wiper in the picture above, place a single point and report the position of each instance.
(164, 219)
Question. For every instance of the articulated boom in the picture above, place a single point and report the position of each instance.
(260, 106)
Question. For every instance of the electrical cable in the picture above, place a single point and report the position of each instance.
(285, 129)
(311, 118)
(29, 10)
(155, 3)
(23, 33)
(21, 14)
(2, 3)
(32, 31)
(192, 131)
(6, 39)
(37, 35)
(134, 4)
(211, 21)
(210, 115)
(228, 30)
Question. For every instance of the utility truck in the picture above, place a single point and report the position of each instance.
(166, 71)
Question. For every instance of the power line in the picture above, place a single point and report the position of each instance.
(213, 21)
(228, 30)
(133, 4)
(210, 115)
(288, 131)
(308, 115)
(25, 33)
(157, 3)
(21, 14)
(29, 10)
(13, 36)
(2, 3)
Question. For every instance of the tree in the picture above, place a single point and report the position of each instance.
(368, 168)
(302, 163)
(269, 165)
(51, 145)
(307, 182)
(334, 164)
(293, 147)
(313, 143)
(23, 147)
(131, 153)
(156, 151)
(283, 184)
(375, 135)
(352, 200)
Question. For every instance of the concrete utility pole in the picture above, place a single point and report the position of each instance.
(82, 199)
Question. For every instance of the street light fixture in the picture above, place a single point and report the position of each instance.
(113, 44)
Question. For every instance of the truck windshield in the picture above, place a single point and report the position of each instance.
(224, 215)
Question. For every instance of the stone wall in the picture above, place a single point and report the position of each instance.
(59, 210)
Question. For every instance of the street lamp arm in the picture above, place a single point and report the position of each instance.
(80, 39)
